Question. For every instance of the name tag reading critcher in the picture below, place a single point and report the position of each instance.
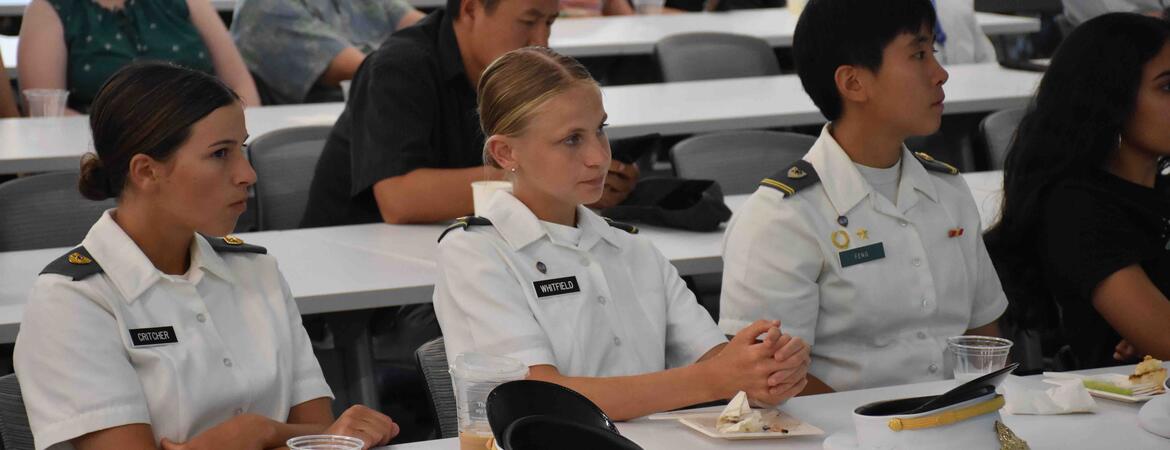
(145, 337)
(862, 254)
(556, 286)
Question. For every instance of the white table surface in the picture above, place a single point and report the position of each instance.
(375, 265)
(31, 145)
(1113, 425)
(16, 7)
(635, 35)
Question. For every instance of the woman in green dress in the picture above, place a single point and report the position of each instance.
(77, 44)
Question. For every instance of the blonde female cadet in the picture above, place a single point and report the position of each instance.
(583, 302)
(152, 334)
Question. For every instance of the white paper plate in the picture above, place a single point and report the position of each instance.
(705, 423)
(1113, 378)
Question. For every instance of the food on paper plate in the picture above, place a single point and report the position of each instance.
(1149, 372)
(739, 417)
(1149, 378)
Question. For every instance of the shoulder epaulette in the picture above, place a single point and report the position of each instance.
(621, 226)
(232, 244)
(935, 165)
(77, 264)
(793, 178)
(464, 222)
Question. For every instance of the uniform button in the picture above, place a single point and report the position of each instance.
(933, 368)
(921, 335)
(238, 411)
(903, 223)
(916, 262)
(601, 300)
(227, 362)
(617, 340)
(200, 317)
(585, 262)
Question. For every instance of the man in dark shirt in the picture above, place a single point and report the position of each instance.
(408, 144)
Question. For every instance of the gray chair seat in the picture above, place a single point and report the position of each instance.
(998, 130)
(46, 211)
(284, 161)
(709, 56)
(14, 428)
(738, 160)
(432, 363)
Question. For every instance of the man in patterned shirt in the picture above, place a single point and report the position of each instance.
(300, 50)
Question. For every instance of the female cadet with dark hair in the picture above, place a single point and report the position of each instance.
(1083, 236)
(153, 333)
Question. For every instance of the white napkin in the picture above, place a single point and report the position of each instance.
(1068, 396)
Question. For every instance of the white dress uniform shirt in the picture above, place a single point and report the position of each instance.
(608, 304)
(966, 43)
(239, 347)
(881, 321)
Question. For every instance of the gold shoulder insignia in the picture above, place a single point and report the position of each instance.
(78, 264)
(935, 165)
(794, 177)
(621, 226)
(463, 223)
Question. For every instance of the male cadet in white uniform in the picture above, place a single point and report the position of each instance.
(870, 253)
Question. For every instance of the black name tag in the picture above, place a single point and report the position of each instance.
(143, 337)
(862, 254)
(556, 286)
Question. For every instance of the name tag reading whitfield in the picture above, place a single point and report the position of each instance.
(556, 286)
(145, 337)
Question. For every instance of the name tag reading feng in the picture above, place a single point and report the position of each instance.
(146, 337)
(556, 286)
(862, 254)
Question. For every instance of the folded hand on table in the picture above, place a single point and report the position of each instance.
(619, 182)
(766, 364)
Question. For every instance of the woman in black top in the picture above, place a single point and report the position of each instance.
(1082, 241)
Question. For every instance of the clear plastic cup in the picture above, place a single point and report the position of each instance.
(46, 102)
(475, 375)
(649, 6)
(481, 192)
(976, 356)
(325, 442)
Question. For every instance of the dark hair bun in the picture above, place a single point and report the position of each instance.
(94, 182)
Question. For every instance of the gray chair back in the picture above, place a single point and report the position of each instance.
(709, 56)
(45, 211)
(998, 130)
(14, 429)
(284, 161)
(738, 160)
(432, 363)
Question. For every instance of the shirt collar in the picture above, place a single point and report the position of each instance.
(846, 186)
(520, 227)
(131, 272)
(450, 60)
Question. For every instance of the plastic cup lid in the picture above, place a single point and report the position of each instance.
(483, 367)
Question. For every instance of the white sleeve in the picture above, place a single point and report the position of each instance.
(690, 331)
(771, 264)
(308, 381)
(75, 375)
(990, 300)
(481, 303)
